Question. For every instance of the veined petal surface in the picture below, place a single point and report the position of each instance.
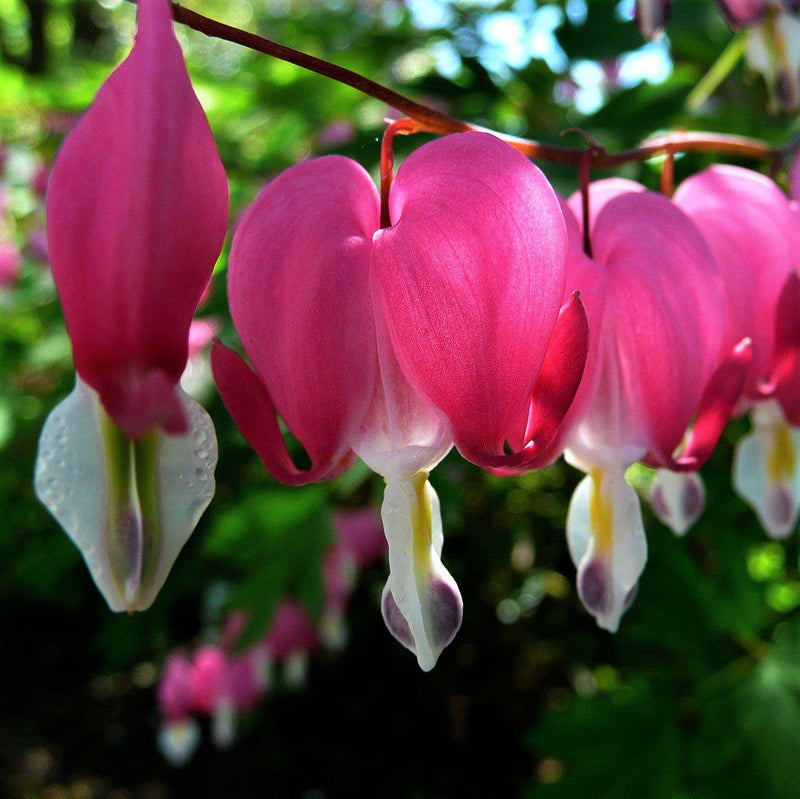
(662, 334)
(299, 295)
(137, 209)
(129, 506)
(755, 239)
(471, 278)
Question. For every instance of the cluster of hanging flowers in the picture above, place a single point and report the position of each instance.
(222, 680)
(468, 307)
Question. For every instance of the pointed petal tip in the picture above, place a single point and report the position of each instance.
(251, 408)
(677, 499)
(445, 617)
(174, 483)
(718, 404)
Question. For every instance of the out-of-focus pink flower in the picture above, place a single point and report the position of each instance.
(197, 380)
(37, 245)
(290, 632)
(360, 536)
(393, 344)
(136, 216)
(10, 264)
(174, 694)
(290, 640)
(179, 734)
(336, 134)
(655, 363)
(40, 179)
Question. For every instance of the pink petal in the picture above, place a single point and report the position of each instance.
(300, 299)
(137, 210)
(742, 12)
(553, 393)
(719, 402)
(588, 278)
(794, 179)
(291, 631)
(601, 192)
(252, 410)
(786, 347)
(666, 331)
(471, 278)
(755, 239)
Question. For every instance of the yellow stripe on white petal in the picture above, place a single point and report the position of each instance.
(606, 540)
(765, 470)
(677, 499)
(421, 605)
(129, 506)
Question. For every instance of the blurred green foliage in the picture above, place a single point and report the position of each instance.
(697, 696)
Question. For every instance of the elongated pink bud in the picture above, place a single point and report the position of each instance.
(137, 210)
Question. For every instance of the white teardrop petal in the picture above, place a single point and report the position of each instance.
(767, 477)
(677, 499)
(185, 487)
(607, 543)
(422, 606)
(128, 506)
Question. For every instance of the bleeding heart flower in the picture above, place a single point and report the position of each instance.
(754, 235)
(136, 215)
(654, 299)
(394, 344)
(179, 733)
(651, 16)
(773, 47)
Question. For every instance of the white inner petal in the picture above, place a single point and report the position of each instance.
(606, 540)
(765, 470)
(422, 605)
(677, 499)
(128, 506)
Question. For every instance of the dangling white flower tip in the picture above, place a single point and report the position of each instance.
(766, 470)
(444, 614)
(607, 544)
(421, 604)
(178, 741)
(129, 506)
(678, 499)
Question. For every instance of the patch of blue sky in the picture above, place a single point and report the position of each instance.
(651, 63)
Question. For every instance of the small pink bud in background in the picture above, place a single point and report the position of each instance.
(10, 264)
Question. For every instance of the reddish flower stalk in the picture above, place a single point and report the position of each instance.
(433, 121)
(403, 127)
